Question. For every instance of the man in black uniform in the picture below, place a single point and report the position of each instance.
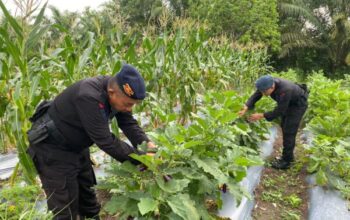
(63, 130)
(291, 101)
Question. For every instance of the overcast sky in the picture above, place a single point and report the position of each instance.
(70, 5)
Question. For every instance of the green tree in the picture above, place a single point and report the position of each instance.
(140, 11)
(245, 20)
(179, 6)
(316, 32)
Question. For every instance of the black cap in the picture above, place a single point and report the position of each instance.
(131, 82)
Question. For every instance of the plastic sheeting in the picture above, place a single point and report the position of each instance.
(7, 165)
(102, 159)
(324, 204)
(9, 161)
(243, 211)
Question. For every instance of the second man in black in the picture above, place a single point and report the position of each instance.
(291, 101)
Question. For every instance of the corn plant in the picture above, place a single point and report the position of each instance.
(22, 83)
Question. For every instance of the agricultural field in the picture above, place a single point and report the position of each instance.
(199, 71)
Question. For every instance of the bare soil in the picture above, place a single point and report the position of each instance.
(283, 194)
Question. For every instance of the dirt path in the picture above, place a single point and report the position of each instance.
(283, 195)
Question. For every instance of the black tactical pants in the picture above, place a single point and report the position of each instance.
(67, 179)
(290, 124)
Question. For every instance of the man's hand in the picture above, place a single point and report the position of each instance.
(255, 117)
(243, 110)
(152, 147)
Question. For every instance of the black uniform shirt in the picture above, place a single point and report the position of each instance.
(82, 112)
(286, 94)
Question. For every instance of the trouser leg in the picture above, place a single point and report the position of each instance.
(88, 204)
(59, 181)
(290, 124)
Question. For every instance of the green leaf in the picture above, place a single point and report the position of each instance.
(183, 206)
(245, 161)
(116, 204)
(321, 178)
(37, 31)
(193, 143)
(123, 204)
(86, 54)
(173, 185)
(146, 160)
(313, 165)
(16, 27)
(228, 118)
(147, 205)
(212, 167)
(35, 36)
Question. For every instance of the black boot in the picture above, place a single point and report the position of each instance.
(281, 164)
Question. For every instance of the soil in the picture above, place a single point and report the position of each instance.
(283, 194)
(102, 197)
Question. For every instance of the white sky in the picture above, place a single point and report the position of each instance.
(70, 5)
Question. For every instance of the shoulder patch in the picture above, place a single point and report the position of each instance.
(282, 94)
(101, 105)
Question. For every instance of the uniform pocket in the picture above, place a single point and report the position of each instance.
(58, 196)
(54, 184)
(56, 191)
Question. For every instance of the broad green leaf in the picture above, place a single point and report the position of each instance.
(212, 167)
(147, 205)
(183, 206)
(192, 143)
(226, 118)
(146, 160)
(173, 185)
(117, 203)
(246, 161)
(120, 203)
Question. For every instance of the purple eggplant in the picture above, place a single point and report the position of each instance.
(143, 168)
(224, 188)
(167, 178)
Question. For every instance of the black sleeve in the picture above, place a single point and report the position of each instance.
(281, 107)
(131, 128)
(97, 127)
(253, 99)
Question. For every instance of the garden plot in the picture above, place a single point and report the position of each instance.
(283, 194)
(326, 203)
(242, 211)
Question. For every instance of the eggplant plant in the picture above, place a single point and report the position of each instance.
(193, 164)
(329, 121)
